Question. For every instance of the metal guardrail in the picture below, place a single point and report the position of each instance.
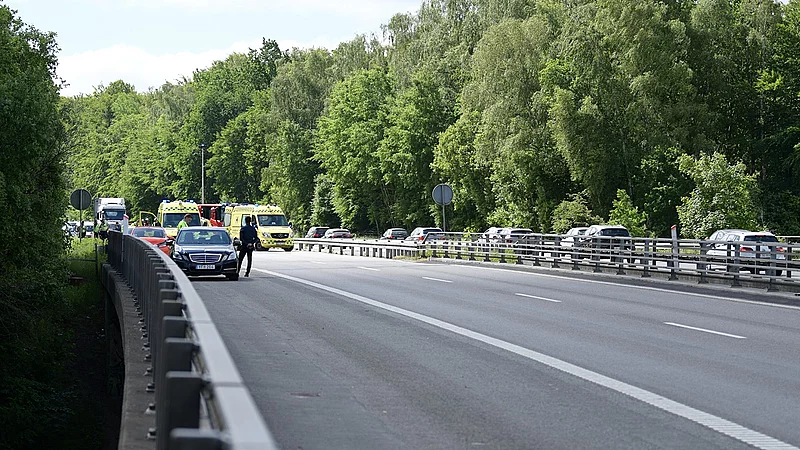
(769, 263)
(201, 400)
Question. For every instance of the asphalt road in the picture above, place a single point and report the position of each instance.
(344, 352)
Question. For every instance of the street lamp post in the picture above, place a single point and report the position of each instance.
(202, 173)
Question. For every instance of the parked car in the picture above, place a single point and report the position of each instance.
(200, 251)
(719, 235)
(394, 234)
(154, 235)
(605, 240)
(337, 233)
(751, 250)
(512, 235)
(316, 232)
(490, 236)
(425, 234)
(574, 233)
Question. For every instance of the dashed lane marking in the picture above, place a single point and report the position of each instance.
(726, 427)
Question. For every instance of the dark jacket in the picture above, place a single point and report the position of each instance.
(248, 235)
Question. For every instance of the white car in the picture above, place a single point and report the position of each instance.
(569, 239)
(755, 255)
(425, 234)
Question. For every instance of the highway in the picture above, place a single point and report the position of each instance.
(344, 352)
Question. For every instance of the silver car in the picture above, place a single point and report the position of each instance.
(756, 249)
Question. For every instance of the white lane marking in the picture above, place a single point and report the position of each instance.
(704, 330)
(437, 279)
(646, 288)
(369, 268)
(538, 298)
(726, 427)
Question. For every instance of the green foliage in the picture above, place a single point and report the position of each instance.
(624, 213)
(346, 147)
(518, 104)
(659, 185)
(573, 213)
(722, 197)
(33, 407)
(322, 212)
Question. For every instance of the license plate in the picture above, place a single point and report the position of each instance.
(205, 267)
(279, 242)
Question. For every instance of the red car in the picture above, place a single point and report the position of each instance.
(154, 235)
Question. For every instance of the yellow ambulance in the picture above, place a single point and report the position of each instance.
(170, 213)
(274, 230)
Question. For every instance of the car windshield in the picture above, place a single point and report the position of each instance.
(431, 230)
(614, 232)
(203, 237)
(399, 233)
(114, 214)
(149, 232)
(760, 238)
(272, 220)
(171, 219)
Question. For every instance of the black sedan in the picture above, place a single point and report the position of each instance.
(201, 251)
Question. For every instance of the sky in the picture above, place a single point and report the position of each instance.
(149, 42)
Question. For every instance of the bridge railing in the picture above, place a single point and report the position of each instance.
(201, 401)
(772, 264)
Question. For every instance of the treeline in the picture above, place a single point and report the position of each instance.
(539, 113)
(38, 397)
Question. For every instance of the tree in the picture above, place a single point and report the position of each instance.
(623, 88)
(32, 203)
(722, 197)
(573, 213)
(346, 146)
(624, 213)
(415, 120)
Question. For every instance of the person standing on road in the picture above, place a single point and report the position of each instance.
(185, 222)
(248, 237)
(103, 230)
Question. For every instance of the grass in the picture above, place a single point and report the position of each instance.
(93, 420)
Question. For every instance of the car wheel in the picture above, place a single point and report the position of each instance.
(778, 272)
(288, 249)
(233, 277)
(258, 246)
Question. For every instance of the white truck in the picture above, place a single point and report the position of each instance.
(110, 209)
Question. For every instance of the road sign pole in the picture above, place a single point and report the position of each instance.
(444, 222)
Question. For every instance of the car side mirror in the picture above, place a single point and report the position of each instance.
(170, 242)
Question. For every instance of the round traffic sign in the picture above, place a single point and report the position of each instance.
(443, 194)
(80, 199)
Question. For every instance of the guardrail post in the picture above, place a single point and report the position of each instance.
(182, 403)
(554, 253)
(502, 251)
(735, 267)
(176, 357)
(702, 267)
(648, 259)
(195, 439)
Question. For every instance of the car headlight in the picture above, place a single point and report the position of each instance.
(291, 234)
(266, 234)
(231, 256)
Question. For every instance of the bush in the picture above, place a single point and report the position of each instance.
(573, 213)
